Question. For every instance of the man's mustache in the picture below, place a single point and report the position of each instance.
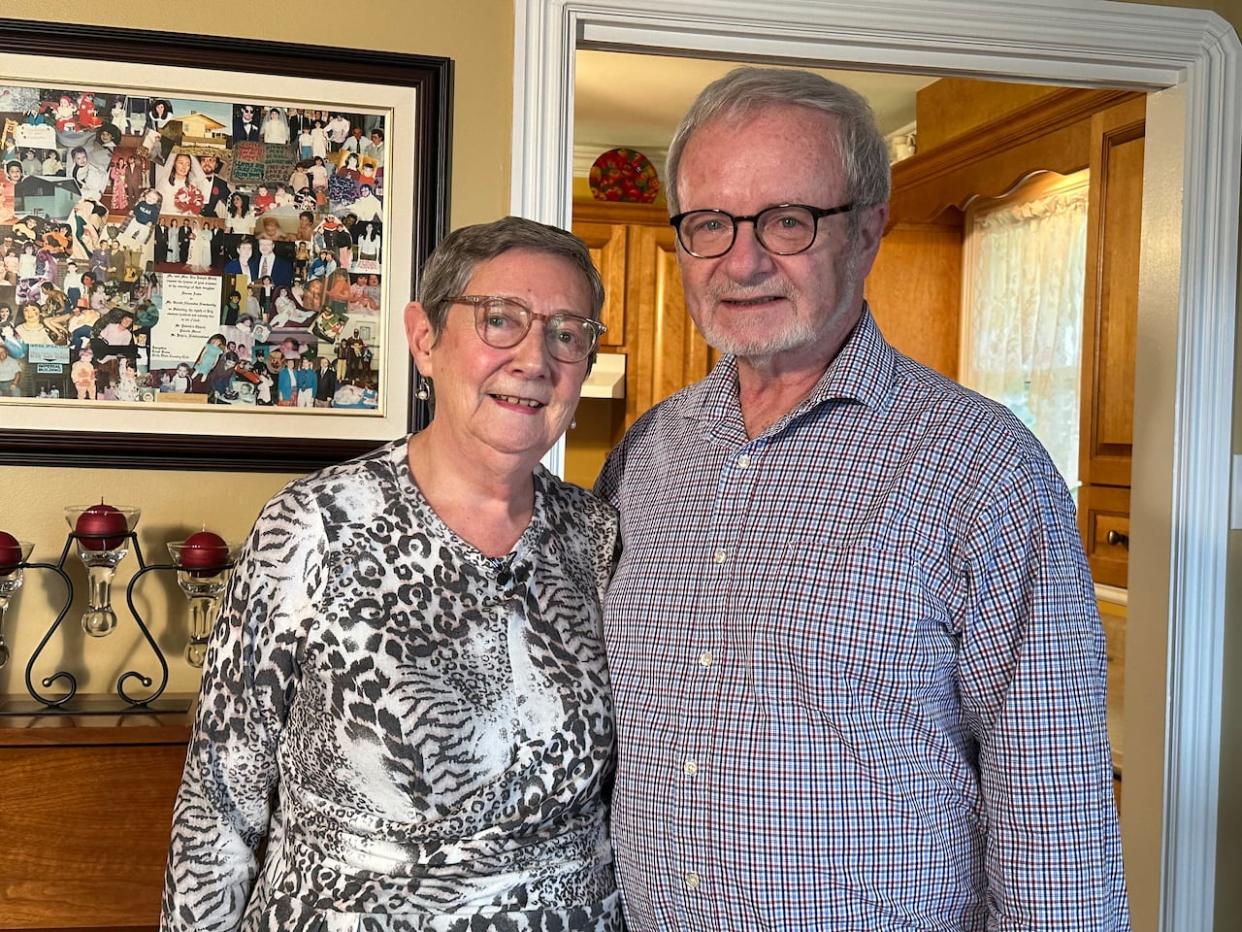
(774, 288)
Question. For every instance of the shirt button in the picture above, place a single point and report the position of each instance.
(720, 556)
(743, 461)
(692, 880)
(690, 768)
(706, 659)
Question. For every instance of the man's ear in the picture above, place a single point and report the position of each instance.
(420, 337)
(870, 232)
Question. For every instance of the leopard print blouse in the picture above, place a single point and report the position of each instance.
(397, 732)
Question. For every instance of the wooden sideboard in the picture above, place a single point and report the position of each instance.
(85, 811)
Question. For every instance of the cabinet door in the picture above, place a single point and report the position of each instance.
(607, 244)
(85, 832)
(915, 290)
(669, 352)
(1110, 306)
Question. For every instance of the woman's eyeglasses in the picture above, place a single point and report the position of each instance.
(503, 323)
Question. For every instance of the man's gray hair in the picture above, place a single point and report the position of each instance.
(448, 271)
(743, 91)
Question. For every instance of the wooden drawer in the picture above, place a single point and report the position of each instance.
(1104, 512)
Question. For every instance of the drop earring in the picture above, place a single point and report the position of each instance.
(422, 394)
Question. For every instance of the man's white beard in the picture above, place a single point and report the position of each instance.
(797, 332)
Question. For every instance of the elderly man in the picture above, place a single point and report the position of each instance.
(355, 142)
(856, 660)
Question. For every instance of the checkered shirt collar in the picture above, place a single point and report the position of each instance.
(863, 371)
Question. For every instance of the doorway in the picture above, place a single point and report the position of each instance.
(1187, 307)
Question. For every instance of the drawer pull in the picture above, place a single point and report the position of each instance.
(1116, 538)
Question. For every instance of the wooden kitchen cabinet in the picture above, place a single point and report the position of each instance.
(645, 309)
(1104, 521)
(667, 352)
(915, 290)
(1110, 321)
(607, 244)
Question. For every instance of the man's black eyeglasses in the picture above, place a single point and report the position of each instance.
(783, 230)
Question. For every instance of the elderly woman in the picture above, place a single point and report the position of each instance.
(405, 702)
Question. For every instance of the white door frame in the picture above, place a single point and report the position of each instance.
(1087, 42)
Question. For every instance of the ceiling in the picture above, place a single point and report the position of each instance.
(627, 99)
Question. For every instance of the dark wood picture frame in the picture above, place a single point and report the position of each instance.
(430, 77)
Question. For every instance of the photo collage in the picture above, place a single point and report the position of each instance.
(169, 250)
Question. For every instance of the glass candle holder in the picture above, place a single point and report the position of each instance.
(13, 553)
(103, 542)
(203, 564)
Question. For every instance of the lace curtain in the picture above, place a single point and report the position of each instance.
(1026, 315)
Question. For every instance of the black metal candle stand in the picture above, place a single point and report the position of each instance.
(64, 705)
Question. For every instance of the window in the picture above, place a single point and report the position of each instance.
(1022, 294)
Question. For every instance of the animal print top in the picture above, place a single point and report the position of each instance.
(420, 733)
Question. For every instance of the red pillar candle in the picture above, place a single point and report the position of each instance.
(101, 527)
(204, 551)
(10, 553)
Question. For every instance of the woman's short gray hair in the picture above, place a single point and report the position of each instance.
(448, 271)
(863, 151)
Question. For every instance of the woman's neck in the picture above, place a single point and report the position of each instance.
(486, 500)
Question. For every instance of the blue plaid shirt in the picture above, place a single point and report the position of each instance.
(858, 670)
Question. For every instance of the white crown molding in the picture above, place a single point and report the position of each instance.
(1067, 41)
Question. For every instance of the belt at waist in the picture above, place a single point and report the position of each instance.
(381, 868)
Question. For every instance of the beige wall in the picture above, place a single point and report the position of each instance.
(478, 36)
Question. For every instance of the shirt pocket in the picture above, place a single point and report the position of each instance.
(842, 628)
